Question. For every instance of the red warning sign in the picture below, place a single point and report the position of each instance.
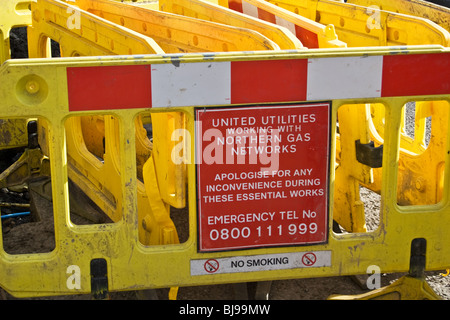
(262, 175)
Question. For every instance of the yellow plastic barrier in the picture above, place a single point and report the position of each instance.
(421, 166)
(441, 16)
(13, 132)
(171, 183)
(172, 33)
(74, 25)
(406, 288)
(424, 9)
(349, 209)
(12, 14)
(142, 3)
(410, 239)
(358, 26)
(101, 181)
(175, 33)
(215, 13)
(310, 33)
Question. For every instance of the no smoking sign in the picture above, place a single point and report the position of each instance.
(309, 259)
(261, 262)
(211, 266)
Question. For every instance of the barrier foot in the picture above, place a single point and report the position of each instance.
(173, 293)
(405, 288)
(410, 287)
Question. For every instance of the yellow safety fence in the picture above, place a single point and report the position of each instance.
(411, 238)
(106, 40)
(368, 26)
(211, 12)
(364, 26)
(436, 13)
(175, 33)
(86, 135)
(421, 158)
(98, 161)
(13, 14)
(311, 33)
(358, 26)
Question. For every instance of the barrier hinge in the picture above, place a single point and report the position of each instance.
(368, 154)
(99, 279)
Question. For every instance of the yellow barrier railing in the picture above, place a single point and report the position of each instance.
(284, 116)
(357, 26)
(175, 33)
(130, 265)
(13, 14)
(365, 26)
(311, 33)
(93, 138)
(211, 12)
(436, 13)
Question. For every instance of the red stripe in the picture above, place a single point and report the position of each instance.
(235, 5)
(109, 87)
(309, 39)
(268, 81)
(124, 87)
(266, 16)
(416, 74)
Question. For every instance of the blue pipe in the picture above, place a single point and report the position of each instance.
(17, 214)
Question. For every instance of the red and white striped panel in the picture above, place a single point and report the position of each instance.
(241, 82)
(308, 39)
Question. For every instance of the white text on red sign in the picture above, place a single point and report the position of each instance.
(262, 176)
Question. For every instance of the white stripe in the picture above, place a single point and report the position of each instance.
(249, 9)
(344, 77)
(284, 23)
(252, 10)
(191, 84)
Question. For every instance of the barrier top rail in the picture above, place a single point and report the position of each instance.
(436, 13)
(364, 26)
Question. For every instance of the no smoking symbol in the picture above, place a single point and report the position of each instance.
(309, 259)
(211, 265)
